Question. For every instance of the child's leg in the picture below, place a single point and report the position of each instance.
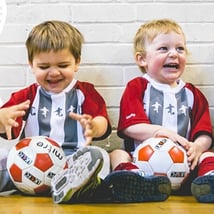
(121, 160)
(6, 183)
(203, 186)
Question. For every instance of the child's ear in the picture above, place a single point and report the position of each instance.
(30, 64)
(78, 60)
(77, 63)
(140, 59)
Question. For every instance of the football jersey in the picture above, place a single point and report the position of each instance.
(183, 109)
(49, 113)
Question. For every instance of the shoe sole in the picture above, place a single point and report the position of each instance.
(130, 187)
(202, 189)
(79, 177)
(106, 163)
(106, 168)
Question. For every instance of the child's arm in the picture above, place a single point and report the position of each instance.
(194, 149)
(143, 131)
(8, 117)
(93, 127)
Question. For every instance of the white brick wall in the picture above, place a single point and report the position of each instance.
(109, 27)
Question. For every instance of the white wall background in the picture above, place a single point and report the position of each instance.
(109, 27)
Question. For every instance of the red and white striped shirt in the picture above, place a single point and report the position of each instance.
(183, 109)
(48, 113)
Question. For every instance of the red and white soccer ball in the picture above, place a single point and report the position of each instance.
(161, 156)
(33, 162)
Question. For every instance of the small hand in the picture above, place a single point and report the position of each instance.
(8, 116)
(87, 124)
(172, 136)
(194, 152)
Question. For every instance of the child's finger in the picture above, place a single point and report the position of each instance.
(88, 141)
(75, 116)
(8, 133)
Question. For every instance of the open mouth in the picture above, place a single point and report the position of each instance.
(171, 65)
(53, 81)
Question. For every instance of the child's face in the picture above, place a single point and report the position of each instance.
(54, 70)
(165, 58)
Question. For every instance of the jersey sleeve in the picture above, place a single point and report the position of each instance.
(200, 115)
(131, 105)
(16, 98)
(94, 104)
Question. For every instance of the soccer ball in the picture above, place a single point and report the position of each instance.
(161, 156)
(33, 162)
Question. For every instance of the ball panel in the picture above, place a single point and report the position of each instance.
(23, 143)
(43, 162)
(160, 162)
(42, 189)
(145, 153)
(16, 173)
(176, 154)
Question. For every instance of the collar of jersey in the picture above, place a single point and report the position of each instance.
(164, 87)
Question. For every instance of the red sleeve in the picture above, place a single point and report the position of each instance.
(200, 117)
(19, 97)
(131, 105)
(94, 103)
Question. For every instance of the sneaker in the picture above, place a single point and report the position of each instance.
(128, 186)
(202, 188)
(79, 178)
(106, 162)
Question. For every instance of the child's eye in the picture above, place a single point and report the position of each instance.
(180, 49)
(63, 65)
(43, 67)
(163, 49)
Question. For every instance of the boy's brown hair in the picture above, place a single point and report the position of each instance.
(54, 36)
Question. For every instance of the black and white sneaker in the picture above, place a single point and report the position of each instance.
(80, 177)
